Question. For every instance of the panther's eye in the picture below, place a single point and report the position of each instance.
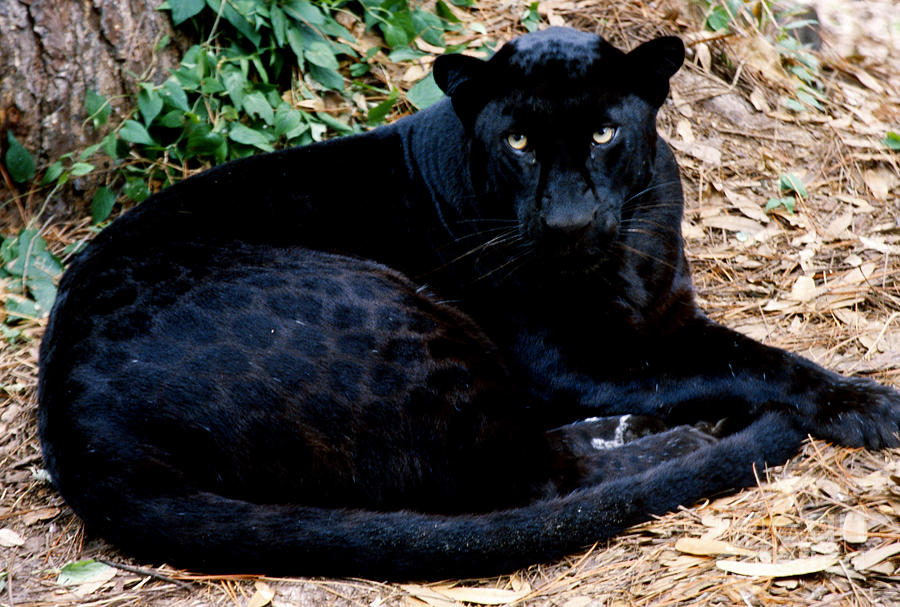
(517, 141)
(604, 135)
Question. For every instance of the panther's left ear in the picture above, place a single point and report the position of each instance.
(656, 61)
(661, 57)
(454, 70)
(458, 75)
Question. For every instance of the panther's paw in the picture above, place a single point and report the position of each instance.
(858, 412)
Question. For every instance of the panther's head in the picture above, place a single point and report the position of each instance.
(563, 131)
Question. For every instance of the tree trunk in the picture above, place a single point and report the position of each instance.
(53, 51)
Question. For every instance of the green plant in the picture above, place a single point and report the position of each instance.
(790, 184)
(258, 80)
(530, 18)
(892, 140)
(760, 17)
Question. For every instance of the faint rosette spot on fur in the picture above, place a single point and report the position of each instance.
(420, 323)
(222, 296)
(386, 380)
(229, 360)
(255, 330)
(357, 345)
(289, 371)
(449, 378)
(389, 318)
(308, 341)
(327, 286)
(127, 325)
(291, 306)
(344, 378)
(403, 351)
(349, 317)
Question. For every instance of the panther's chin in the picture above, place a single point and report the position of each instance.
(580, 263)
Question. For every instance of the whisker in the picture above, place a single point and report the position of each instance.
(661, 227)
(655, 186)
(646, 255)
(476, 234)
(511, 235)
(505, 264)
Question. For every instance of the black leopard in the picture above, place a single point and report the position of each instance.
(455, 345)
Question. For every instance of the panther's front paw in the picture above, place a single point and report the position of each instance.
(858, 412)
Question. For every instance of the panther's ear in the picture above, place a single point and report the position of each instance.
(452, 71)
(661, 57)
(655, 62)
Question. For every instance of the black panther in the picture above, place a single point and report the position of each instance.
(395, 355)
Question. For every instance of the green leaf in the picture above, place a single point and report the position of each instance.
(892, 140)
(531, 19)
(794, 105)
(44, 294)
(97, 107)
(428, 27)
(327, 77)
(52, 173)
(82, 572)
(379, 112)
(110, 145)
(174, 95)
(149, 103)
(279, 25)
(303, 10)
(19, 307)
(334, 123)
(183, 10)
(248, 136)
(19, 162)
(791, 183)
(444, 12)
(395, 36)
(718, 19)
(424, 93)
(30, 257)
(320, 54)
(359, 69)
(256, 105)
(809, 100)
(89, 151)
(171, 120)
(289, 123)
(235, 82)
(80, 169)
(788, 203)
(136, 189)
(202, 141)
(135, 133)
(238, 21)
(102, 204)
(405, 54)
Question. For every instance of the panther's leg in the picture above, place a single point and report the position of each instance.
(603, 448)
(703, 371)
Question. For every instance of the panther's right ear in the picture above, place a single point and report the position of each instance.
(453, 71)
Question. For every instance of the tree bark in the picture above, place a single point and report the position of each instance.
(53, 51)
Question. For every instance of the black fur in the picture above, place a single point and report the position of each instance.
(228, 383)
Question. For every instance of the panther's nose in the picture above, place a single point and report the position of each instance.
(568, 223)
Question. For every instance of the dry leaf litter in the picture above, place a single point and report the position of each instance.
(824, 281)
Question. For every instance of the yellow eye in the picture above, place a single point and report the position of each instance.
(604, 135)
(517, 141)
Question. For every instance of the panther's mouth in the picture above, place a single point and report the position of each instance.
(574, 260)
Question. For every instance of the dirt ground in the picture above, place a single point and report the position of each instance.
(823, 281)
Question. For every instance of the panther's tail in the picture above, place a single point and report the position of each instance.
(207, 532)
